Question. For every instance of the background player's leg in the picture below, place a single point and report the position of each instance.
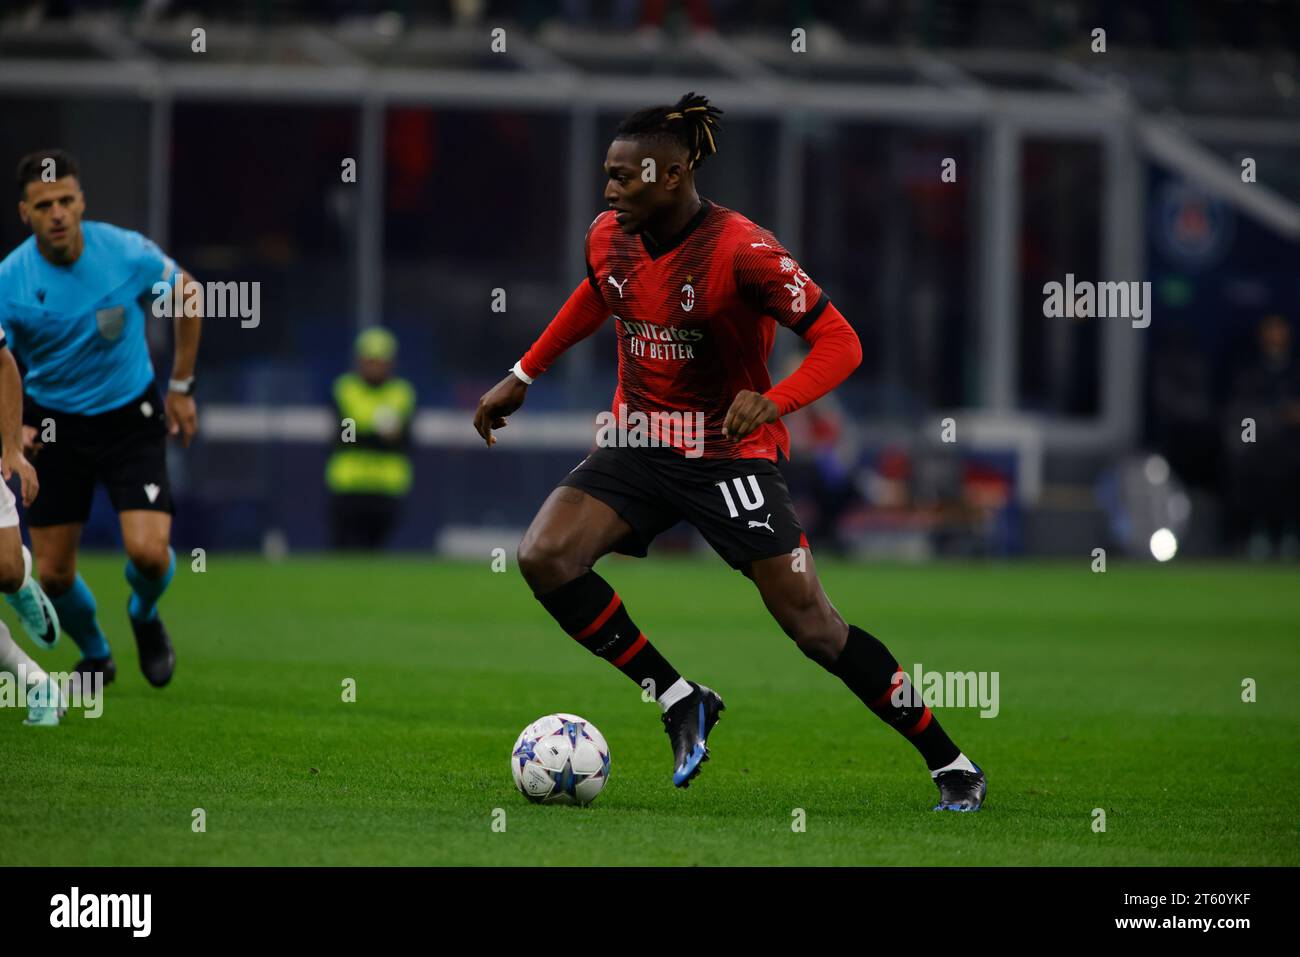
(343, 523)
(388, 509)
(150, 562)
(13, 569)
(55, 548)
(15, 661)
(794, 595)
(22, 592)
(571, 531)
(42, 695)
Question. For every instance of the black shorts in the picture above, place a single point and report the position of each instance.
(742, 507)
(125, 448)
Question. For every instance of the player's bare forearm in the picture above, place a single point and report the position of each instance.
(501, 400)
(188, 328)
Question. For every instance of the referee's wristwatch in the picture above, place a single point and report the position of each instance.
(183, 386)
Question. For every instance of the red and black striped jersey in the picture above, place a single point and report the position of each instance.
(696, 318)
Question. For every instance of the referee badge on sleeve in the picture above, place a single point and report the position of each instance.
(110, 322)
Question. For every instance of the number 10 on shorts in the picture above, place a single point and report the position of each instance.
(745, 500)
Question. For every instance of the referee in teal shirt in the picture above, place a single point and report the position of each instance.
(74, 298)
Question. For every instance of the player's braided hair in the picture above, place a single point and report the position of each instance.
(690, 122)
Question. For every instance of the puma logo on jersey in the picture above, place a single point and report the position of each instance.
(616, 284)
(152, 491)
(763, 524)
(762, 245)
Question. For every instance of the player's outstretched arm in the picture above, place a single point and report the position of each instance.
(11, 427)
(182, 415)
(578, 318)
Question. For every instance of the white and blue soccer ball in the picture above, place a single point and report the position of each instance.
(560, 759)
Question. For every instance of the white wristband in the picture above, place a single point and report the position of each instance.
(518, 370)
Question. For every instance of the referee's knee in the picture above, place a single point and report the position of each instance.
(55, 582)
(150, 557)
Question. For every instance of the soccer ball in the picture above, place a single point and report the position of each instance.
(560, 759)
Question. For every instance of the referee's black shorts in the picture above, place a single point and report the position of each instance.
(742, 507)
(124, 448)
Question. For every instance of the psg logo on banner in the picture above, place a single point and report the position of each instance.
(1192, 229)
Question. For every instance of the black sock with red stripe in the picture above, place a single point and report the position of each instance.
(873, 674)
(589, 610)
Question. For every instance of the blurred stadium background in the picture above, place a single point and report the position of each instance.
(480, 171)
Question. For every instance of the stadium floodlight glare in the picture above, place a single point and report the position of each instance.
(1164, 545)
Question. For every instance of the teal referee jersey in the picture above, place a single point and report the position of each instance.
(79, 329)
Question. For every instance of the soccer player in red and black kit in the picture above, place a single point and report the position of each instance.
(697, 291)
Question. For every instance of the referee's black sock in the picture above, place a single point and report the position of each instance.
(873, 674)
(589, 610)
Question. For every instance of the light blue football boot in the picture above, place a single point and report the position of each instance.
(36, 612)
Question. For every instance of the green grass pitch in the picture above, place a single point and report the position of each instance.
(1120, 691)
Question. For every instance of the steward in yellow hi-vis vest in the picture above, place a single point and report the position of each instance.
(369, 472)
